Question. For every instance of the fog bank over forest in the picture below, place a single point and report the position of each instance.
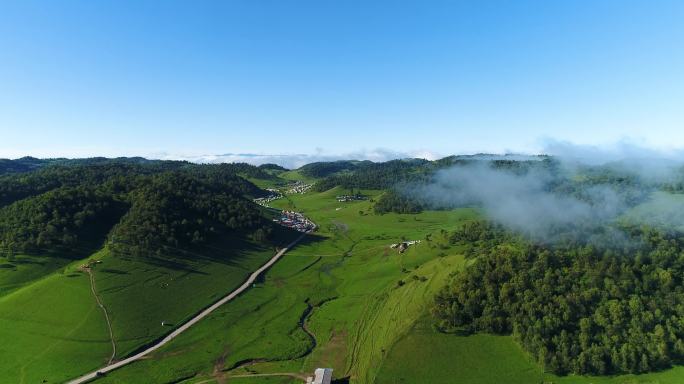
(575, 187)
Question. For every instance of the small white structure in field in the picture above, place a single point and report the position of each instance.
(403, 246)
(321, 376)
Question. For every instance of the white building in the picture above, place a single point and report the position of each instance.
(321, 376)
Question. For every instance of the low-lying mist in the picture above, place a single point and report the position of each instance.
(548, 198)
(523, 203)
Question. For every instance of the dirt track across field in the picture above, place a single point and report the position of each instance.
(89, 271)
(191, 322)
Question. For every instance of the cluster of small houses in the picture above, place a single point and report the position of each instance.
(299, 187)
(273, 194)
(344, 198)
(296, 221)
(403, 246)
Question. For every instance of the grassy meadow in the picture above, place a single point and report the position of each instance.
(55, 327)
(340, 299)
(424, 355)
(141, 294)
(58, 332)
(22, 270)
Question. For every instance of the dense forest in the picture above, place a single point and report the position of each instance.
(389, 174)
(24, 164)
(369, 175)
(328, 168)
(576, 307)
(178, 210)
(392, 201)
(591, 184)
(58, 218)
(400, 177)
(138, 205)
(272, 167)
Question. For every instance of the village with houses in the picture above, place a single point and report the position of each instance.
(345, 198)
(289, 219)
(273, 194)
(296, 221)
(299, 187)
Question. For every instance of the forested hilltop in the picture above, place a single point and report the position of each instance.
(139, 206)
(583, 308)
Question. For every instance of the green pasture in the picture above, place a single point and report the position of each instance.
(51, 330)
(424, 355)
(350, 278)
(21, 270)
(140, 293)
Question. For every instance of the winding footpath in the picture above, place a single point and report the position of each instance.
(106, 315)
(191, 322)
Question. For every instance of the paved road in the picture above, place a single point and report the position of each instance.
(190, 323)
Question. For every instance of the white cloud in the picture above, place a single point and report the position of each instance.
(625, 149)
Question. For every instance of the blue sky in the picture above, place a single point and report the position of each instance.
(195, 78)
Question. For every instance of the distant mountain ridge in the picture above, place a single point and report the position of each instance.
(312, 169)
